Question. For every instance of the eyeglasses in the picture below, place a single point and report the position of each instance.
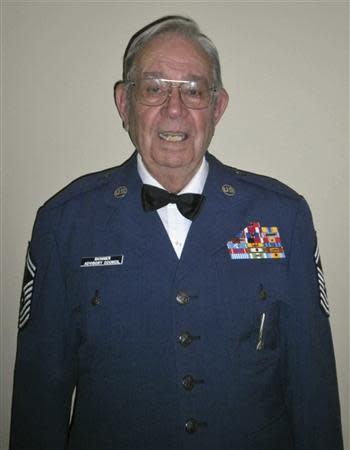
(196, 94)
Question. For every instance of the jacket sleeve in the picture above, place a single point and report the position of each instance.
(310, 373)
(46, 363)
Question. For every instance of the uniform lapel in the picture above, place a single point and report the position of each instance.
(223, 216)
(127, 217)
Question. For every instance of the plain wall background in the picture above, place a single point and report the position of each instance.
(285, 66)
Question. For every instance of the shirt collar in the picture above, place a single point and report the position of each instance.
(195, 185)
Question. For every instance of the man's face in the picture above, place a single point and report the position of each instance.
(171, 138)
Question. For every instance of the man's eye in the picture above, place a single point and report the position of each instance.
(193, 91)
(152, 88)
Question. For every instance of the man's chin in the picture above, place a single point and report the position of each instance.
(175, 162)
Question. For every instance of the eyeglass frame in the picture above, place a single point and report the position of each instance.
(174, 83)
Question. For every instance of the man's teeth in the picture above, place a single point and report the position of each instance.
(173, 137)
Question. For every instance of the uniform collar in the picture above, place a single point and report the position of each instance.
(195, 186)
(224, 213)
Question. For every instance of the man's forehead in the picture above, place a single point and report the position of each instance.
(173, 52)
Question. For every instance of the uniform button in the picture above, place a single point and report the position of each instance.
(96, 300)
(191, 425)
(182, 298)
(262, 293)
(186, 338)
(188, 382)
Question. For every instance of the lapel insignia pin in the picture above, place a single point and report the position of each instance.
(228, 189)
(256, 242)
(120, 192)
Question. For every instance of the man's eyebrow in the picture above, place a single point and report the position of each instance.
(193, 77)
(152, 75)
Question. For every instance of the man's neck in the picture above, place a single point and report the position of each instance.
(174, 180)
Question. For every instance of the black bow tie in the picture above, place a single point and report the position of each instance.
(154, 198)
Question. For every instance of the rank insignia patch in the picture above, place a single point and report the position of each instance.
(256, 242)
(321, 282)
(27, 291)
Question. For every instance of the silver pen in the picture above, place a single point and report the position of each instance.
(260, 344)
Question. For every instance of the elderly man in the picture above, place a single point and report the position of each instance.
(184, 300)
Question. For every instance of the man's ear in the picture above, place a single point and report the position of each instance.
(220, 105)
(120, 99)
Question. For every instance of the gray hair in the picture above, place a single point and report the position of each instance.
(181, 25)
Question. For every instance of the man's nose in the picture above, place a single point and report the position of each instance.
(174, 104)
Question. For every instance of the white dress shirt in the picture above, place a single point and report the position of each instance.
(176, 225)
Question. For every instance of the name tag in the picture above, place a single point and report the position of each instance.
(102, 261)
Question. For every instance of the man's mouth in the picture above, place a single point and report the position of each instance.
(173, 136)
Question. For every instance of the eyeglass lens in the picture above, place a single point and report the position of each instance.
(154, 92)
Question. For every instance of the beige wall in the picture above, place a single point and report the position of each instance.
(284, 65)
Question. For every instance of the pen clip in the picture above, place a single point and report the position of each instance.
(260, 344)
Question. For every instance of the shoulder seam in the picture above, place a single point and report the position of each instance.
(269, 183)
(80, 186)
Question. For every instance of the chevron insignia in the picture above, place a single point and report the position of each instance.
(27, 291)
(321, 282)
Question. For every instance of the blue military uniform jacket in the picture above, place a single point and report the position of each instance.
(209, 352)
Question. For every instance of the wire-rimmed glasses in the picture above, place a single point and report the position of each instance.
(195, 94)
